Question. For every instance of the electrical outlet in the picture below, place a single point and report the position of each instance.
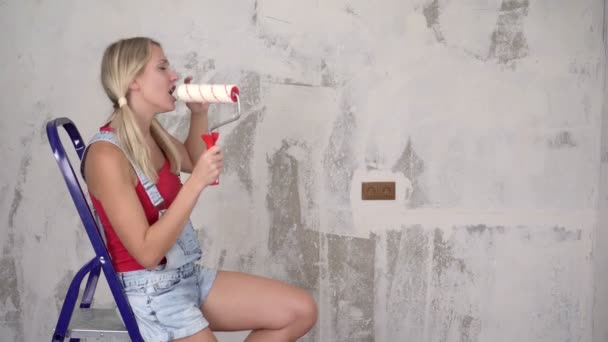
(378, 190)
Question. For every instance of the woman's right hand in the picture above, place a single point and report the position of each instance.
(208, 166)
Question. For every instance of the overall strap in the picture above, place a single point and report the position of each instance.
(150, 188)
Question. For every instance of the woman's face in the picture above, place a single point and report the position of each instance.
(157, 82)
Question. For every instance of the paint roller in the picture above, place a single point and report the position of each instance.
(211, 93)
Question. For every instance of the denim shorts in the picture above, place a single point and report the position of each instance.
(167, 303)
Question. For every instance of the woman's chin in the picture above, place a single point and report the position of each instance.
(167, 109)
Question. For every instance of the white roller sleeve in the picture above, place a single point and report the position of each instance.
(213, 93)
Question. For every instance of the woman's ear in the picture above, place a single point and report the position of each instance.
(134, 85)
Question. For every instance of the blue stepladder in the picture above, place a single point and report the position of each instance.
(85, 321)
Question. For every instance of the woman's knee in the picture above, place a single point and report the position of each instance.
(306, 310)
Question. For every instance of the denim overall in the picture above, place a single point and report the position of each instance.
(187, 248)
(166, 300)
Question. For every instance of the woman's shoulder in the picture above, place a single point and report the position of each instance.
(104, 150)
(106, 161)
(104, 147)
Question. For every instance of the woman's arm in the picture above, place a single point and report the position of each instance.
(111, 179)
(193, 147)
(199, 123)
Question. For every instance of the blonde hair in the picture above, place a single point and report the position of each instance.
(122, 62)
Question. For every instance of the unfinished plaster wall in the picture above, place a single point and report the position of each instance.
(600, 238)
(487, 115)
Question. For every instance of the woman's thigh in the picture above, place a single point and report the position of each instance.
(205, 335)
(240, 301)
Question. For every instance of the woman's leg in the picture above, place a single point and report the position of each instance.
(205, 335)
(274, 310)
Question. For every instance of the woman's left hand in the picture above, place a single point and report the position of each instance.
(196, 107)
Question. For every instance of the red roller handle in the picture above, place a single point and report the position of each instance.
(210, 139)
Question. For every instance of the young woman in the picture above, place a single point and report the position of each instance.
(132, 172)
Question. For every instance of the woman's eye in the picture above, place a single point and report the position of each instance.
(162, 68)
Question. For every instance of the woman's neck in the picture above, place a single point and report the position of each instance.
(144, 122)
(143, 115)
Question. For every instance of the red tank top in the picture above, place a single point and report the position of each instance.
(168, 186)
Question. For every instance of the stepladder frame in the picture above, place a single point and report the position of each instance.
(100, 262)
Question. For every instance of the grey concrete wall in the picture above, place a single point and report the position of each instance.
(600, 238)
(487, 114)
